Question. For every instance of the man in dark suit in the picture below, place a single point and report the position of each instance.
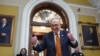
(49, 41)
(4, 31)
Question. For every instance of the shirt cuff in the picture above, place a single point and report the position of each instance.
(36, 44)
(73, 42)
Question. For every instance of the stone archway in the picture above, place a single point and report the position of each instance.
(26, 19)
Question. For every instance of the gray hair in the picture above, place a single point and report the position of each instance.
(54, 19)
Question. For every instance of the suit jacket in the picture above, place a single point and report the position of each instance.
(6, 29)
(48, 43)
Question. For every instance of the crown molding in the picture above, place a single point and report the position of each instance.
(81, 6)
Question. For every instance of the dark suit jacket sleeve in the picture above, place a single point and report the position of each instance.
(71, 44)
(40, 47)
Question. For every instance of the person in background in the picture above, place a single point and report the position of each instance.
(23, 52)
(5, 30)
(77, 52)
(55, 42)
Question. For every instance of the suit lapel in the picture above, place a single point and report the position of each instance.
(52, 40)
(62, 39)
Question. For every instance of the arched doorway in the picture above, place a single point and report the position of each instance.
(27, 16)
(44, 10)
(53, 7)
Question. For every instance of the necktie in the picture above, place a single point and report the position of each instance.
(58, 46)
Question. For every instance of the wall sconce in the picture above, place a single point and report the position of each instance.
(78, 10)
(80, 34)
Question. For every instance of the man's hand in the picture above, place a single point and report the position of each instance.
(70, 36)
(34, 40)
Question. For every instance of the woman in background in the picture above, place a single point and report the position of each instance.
(23, 52)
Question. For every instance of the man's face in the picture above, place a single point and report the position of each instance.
(55, 25)
(4, 21)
